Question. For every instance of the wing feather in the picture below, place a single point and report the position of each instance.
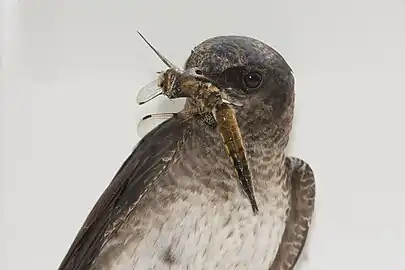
(147, 160)
(300, 215)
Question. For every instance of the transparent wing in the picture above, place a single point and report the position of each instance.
(149, 91)
(151, 121)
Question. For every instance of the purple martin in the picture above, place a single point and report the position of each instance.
(175, 202)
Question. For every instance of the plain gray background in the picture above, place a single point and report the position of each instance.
(70, 75)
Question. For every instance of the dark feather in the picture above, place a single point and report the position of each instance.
(145, 162)
(300, 215)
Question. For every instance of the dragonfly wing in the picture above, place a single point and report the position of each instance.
(149, 91)
(151, 121)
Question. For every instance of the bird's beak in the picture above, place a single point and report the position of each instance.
(228, 100)
(196, 75)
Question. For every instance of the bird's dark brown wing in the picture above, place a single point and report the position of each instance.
(149, 158)
(300, 215)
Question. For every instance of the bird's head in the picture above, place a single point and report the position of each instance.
(251, 75)
(254, 75)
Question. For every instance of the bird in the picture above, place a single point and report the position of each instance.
(175, 201)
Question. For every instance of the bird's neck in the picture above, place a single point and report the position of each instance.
(260, 131)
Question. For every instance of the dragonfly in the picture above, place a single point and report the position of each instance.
(209, 103)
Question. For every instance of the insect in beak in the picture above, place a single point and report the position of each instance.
(170, 81)
(209, 100)
(165, 80)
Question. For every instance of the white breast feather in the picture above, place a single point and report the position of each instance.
(203, 235)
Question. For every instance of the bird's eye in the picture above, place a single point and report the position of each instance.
(252, 80)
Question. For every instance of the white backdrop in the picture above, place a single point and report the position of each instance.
(71, 71)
